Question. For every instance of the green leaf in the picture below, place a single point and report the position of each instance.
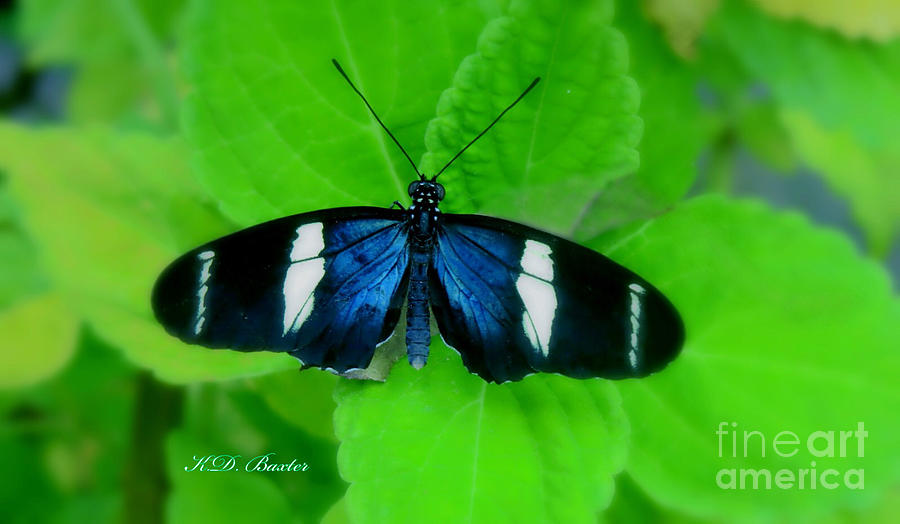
(842, 85)
(226, 418)
(20, 272)
(441, 441)
(632, 505)
(866, 176)
(743, 115)
(116, 47)
(789, 329)
(276, 129)
(763, 132)
(337, 514)
(226, 496)
(110, 92)
(35, 495)
(313, 390)
(885, 511)
(674, 131)
(110, 211)
(39, 337)
(315, 490)
(68, 438)
(565, 141)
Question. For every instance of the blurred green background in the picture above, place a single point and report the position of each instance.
(741, 155)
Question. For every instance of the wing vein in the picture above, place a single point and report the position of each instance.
(361, 239)
(381, 257)
(481, 278)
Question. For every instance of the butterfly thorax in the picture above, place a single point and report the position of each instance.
(424, 213)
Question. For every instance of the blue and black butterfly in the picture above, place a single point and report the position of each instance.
(329, 287)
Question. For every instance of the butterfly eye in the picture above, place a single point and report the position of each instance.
(412, 187)
(440, 191)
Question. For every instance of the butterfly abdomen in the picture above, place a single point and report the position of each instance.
(418, 333)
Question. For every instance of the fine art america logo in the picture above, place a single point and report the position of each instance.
(735, 443)
(215, 463)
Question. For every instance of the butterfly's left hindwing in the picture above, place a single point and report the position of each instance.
(326, 286)
(513, 300)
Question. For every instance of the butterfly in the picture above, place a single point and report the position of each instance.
(328, 287)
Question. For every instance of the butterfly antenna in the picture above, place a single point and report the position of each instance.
(510, 106)
(388, 131)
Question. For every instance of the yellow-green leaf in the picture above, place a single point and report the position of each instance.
(37, 339)
(877, 20)
(682, 20)
(110, 211)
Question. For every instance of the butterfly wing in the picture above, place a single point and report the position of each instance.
(326, 286)
(513, 300)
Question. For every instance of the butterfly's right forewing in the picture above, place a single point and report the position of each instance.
(326, 286)
(514, 300)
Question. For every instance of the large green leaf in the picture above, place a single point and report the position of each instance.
(674, 130)
(110, 211)
(843, 85)
(117, 48)
(275, 128)
(789, 329)
(565, 141)
(441, 441)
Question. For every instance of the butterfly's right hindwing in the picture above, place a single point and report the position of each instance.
(326, 286)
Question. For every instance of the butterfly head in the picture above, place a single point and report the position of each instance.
(426, 193)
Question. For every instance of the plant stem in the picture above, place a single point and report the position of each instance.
(145, 484)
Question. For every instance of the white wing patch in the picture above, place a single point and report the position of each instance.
(634, 304)
(206, 261)
(535, 287)
(304, 274)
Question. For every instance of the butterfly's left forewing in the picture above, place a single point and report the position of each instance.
(326, 286)
(513, 300)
